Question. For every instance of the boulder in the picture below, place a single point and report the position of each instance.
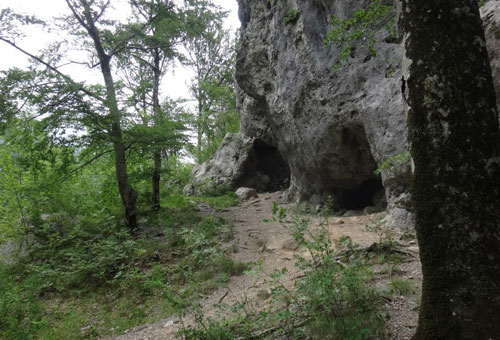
(242, 161)
(227, 166)
(246, 193)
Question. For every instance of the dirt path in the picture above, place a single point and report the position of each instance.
(271, 243)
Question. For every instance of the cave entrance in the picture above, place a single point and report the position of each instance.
(369, 193)
(356, 186)
(266, 169)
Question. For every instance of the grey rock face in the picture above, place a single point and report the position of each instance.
(227, 165)
(490, 13)
(330, 129)
(241, 161)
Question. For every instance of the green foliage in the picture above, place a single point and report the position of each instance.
(393, 162)
(69, 254)
(21, 314)
(211, 330)
(360, 28)
(291, 16)
(77, 250)
(10, 23)
(146, 277)
(482, 2)
(212, 56)
(58, 192)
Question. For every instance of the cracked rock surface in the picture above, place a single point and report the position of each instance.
(330, 129)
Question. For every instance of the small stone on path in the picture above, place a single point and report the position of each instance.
(290, 245)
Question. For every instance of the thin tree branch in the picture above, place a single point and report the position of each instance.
(103, 9)
(76, 15)
(138, 57)
(66, 78)
(90, 161)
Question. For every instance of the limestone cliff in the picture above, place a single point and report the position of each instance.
(331, 129)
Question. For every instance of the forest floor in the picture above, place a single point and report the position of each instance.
(259, 239)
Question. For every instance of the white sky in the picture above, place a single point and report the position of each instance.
(175, 82)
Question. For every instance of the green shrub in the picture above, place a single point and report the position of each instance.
(394, 162)
(211, 331)
(291, 16)
(21, 313)
(77, 252)
(231, 267)
(341, 304)
(359, 30)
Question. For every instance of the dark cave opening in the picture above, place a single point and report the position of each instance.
(270, 163)
(368, 193)
(266, 169)
(356, 186)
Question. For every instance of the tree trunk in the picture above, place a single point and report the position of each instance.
(127, 193)
(157, 121)
(455, 146)
(199, 126)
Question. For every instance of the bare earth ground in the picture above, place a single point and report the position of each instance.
(270, 241)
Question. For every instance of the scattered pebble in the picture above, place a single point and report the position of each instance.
(169, 324)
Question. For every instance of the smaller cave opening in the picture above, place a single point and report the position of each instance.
(356, 186)
(266, 170)
(368, 193)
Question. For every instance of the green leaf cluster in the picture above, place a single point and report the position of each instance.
(393, 162)
(359, 29)
(291, 16)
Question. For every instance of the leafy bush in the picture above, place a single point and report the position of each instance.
(211, 331)
(77, 252)
(336, 295)
(21, 314)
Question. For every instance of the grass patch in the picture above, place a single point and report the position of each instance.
(402, 286)
(219, 202)
(231, 267)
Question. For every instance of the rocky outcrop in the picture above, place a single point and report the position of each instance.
(331, 129)
(241, 161)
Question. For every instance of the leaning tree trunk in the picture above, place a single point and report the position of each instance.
(455, 146)
(127, 193)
